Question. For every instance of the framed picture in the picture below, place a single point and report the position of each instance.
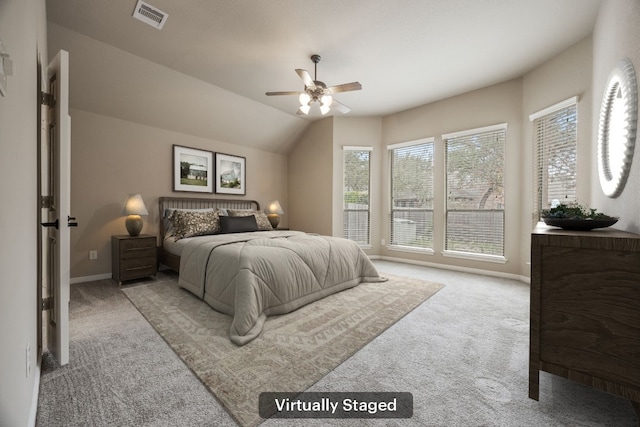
(230, 174)
(192, 170)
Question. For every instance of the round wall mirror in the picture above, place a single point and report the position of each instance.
(617, 129)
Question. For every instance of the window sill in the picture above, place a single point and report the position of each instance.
(400, 248)
(477, 257)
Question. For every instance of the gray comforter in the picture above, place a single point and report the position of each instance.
(253, 275)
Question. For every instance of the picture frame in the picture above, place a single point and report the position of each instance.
(231, 174)
(192, 170)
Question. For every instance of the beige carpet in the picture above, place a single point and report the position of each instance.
(294, 350)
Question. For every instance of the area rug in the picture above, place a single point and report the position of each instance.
(294, 350)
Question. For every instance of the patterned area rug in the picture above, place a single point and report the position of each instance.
(294, 350)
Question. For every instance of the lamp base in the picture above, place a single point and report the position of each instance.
(274, 219)
(134, 225)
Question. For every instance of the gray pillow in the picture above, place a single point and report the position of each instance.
(238, 224)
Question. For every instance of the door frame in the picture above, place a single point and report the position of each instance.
(54, 167)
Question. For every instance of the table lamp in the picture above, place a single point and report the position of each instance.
(134, 207)
(273, 211)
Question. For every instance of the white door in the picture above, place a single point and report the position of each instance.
(57, 189)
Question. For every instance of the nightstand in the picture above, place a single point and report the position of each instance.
(133, 257)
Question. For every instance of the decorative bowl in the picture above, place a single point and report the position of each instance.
(580, 224)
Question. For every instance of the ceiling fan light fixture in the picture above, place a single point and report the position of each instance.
(325, 104)
(304, 109)
(316, 91)
(304, 98)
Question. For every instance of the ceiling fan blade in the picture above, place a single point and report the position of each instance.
(306, 78)
(282, 93)
(340, 106)
(345, 87)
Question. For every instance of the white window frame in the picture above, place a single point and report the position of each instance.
(345, 211)
(390, 244)
(472, 255)
(538, 204)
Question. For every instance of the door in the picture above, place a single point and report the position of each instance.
(55, 177)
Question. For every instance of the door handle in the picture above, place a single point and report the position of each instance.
(71, 221)
(51, 224)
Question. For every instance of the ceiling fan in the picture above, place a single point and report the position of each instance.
(317, 91)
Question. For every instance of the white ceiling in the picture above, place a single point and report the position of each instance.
(405, 53)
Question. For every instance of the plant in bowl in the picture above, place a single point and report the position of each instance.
(573, 216)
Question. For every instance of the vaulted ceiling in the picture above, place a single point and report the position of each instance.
(405, 53)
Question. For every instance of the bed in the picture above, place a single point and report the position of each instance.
(227, 254)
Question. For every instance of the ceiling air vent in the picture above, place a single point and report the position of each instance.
(150, 15)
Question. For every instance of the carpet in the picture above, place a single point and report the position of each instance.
(294, 350)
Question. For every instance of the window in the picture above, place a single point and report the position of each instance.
(555, 155)
(411, 222)
(475, 191)
(356, 183)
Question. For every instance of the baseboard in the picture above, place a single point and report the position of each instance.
(519, 277)
(34, 400)
(90, 278)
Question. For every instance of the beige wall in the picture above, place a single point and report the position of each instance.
(23, 32)
(311, 163)
(312, 185)
(501, 103)
(111, 158)
(565, 76)
(127, 113)
(616, 35)
(358, 131)
(310, 180)
(109, 81)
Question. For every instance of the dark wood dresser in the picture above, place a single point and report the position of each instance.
(133, 257)
(585, 309)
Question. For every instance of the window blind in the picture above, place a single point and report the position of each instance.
(356, 205)
(411, 219)
(555, 146)
(475, 191)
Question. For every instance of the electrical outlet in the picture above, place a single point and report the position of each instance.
(382, 242)
(93, 254)
(28, 359)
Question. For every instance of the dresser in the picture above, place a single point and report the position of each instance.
(133, 257)
(585, 309)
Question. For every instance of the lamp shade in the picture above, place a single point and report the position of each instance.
(134, 205)
(273, 207)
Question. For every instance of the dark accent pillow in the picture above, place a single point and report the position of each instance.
(261, 218)
(238, 224)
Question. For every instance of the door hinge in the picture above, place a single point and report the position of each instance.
(47, 303)
(47, 99)
(46, 202)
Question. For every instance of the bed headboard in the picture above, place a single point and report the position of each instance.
(199, 203)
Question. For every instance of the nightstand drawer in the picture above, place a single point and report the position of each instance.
(137, 267)
(134, 248)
